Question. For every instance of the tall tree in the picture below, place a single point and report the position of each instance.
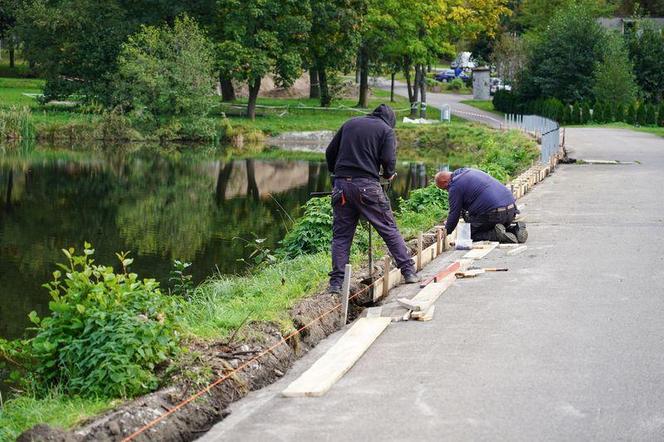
(646, 50)
(8, 11)
(265, 37)
(563, 60)
(614, 75)
(334, 38)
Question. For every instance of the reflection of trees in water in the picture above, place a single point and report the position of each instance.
(165, 208)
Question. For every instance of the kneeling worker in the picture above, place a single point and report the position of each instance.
(486, 204)
(355, 156)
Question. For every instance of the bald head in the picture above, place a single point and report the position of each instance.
(443, 179)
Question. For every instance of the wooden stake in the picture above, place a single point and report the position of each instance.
(386, 274)
(345, 293)
(419, 251)
(439, 241)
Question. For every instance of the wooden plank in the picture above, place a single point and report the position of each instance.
(428, 295)
(516, 251)
(387, 264)
(508, 246)
(480, 253)
(450, 269)
(345, 293)
(327, 370)
(419, 251)
(374, 312)
(395, 278)
(428, 254)
(424, 316)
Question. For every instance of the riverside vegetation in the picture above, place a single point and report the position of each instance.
(112, 335)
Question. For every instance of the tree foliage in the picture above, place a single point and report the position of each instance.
(563, 61)
(646, 50)
(263, 37)
(166, 71)
(614, 79)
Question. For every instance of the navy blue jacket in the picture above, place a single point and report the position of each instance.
(363, 145)
(476, 192)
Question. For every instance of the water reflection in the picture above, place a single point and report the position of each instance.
(159, 206)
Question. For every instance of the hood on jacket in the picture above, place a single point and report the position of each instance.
(385, 113)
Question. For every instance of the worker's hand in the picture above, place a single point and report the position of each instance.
(392, 177)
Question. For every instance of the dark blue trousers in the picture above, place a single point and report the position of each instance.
(351, 198)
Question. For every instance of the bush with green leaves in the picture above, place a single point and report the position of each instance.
(618, 113)
(585, 113)
(630, 114)
(660, 115)
(614, 79)
(455, 85)
(424, 199)
(107, 333)
(566, 117)
(641, 114)
(166, 77)
(576, 114)
(651, 115)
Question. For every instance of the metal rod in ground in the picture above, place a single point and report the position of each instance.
(345, 293)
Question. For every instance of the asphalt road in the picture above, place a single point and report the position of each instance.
(457, 108)
(567, 345)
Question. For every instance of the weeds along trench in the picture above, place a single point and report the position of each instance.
(240, 333)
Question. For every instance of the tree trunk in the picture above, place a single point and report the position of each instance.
(406, 73)
(325, 98)
(314, 87)
(10, 186)
(227, 89)
(254, 87)
(392, 87)
(364, 78)
(222, 182)
(252, 186)
(423, 93)
(416, 89)
(12, 57)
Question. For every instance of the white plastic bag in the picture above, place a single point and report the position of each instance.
(463, 240)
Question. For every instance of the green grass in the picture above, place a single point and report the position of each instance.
(24, 412)
(275, 121)
(659, 131)
(485, 105)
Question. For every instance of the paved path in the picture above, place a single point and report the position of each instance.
(453, 100)
(567, 345)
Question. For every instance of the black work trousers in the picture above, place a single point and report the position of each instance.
(482, 226)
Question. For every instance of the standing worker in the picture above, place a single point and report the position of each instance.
(486, 203)
(354, 157)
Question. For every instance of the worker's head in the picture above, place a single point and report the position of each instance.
(385, 113)
(443, 179)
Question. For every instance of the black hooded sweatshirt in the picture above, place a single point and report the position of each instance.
(363, 145)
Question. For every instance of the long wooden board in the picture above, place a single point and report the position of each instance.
(428, 295)
(480, 253)
(327, 370)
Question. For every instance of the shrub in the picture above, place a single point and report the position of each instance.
(585, 113)
(455, 85)
(423, 199)
(660, 115)
(618, 113)
(16, 124)
(641, 114)
(576, 114)
(552, 108)
(107, 331)
(614, 75)
(566, 117)
(312, 233)
(651, 115)
(630, 114)
(166, 73)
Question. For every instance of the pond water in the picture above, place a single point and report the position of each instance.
(192, 206)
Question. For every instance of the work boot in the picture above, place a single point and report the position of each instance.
(519, 230)
(503, 235)
(334, 290)
(411, 278)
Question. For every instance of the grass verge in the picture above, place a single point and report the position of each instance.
(485, 105)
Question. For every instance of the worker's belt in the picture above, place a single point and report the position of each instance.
(504, 209)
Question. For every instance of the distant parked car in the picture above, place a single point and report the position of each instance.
(448, 75)
(496, 84)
